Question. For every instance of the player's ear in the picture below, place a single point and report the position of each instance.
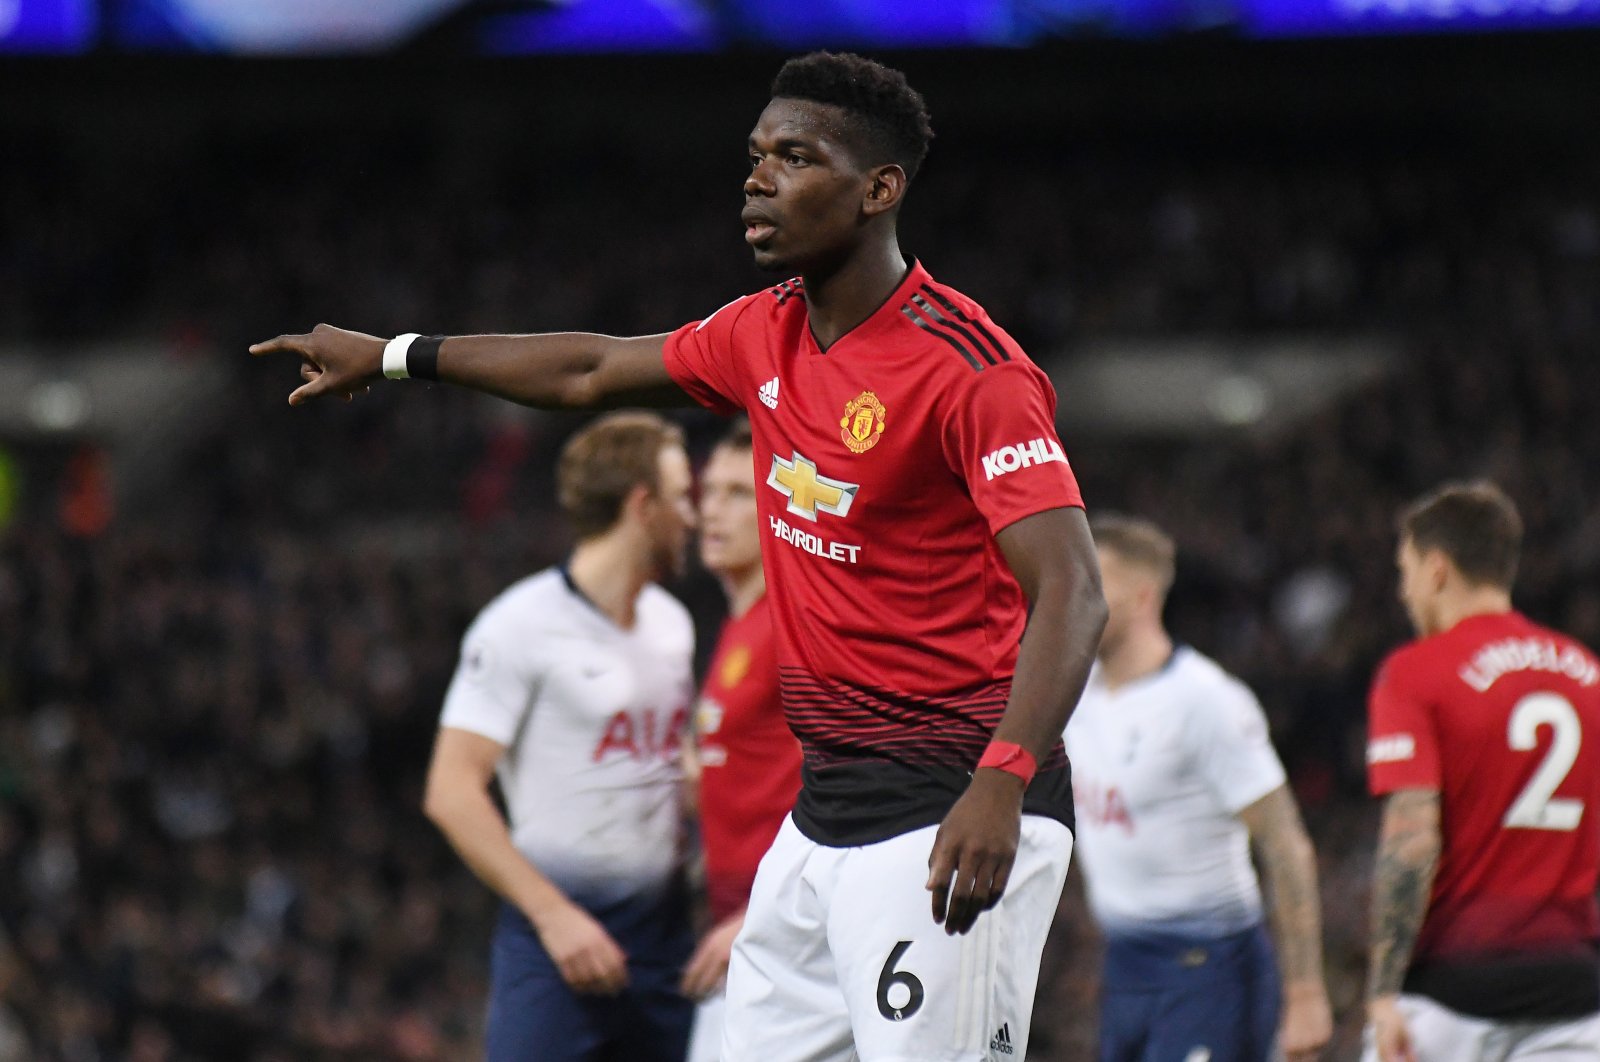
(1438, 568)
(636, 501)
(886, 187)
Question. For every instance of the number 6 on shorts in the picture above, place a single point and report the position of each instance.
(889, 977)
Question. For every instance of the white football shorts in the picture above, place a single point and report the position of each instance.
(1440, 1034)
(705, 1037)
(840, 958)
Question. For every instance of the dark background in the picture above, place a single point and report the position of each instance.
(225, 625)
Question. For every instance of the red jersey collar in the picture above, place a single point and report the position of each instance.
(1478, 619)
(914, 278)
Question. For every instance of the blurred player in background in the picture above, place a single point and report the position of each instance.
(574, 686)
(915, 502)
(748, 761)
(1485, 931)
(1175, 778)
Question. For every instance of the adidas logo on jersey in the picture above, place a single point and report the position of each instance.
(1010, 458)
(768, 393)
(1001, 1042)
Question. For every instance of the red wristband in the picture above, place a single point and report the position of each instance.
(1010, 758)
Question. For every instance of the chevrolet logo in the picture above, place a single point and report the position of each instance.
(797, 480)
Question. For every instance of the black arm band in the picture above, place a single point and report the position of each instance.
(422, 358)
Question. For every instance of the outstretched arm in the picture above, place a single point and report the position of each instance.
(1289, 864)
(556, 370)
(1052, 555)
(1408, 855)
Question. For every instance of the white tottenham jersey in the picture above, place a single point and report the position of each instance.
(592, 716)
(1160, 768)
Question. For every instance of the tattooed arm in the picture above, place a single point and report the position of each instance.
(1289, 865)
(1408, 855)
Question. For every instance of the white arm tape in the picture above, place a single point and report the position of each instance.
(394, 355)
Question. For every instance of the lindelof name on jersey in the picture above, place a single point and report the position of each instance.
(1392, 748)
(1039, 451)
(1528, 654)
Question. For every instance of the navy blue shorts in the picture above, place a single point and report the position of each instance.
(535, 1017)
(1171, 999)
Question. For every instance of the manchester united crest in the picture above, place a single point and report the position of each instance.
(862, 422)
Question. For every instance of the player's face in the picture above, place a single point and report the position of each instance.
(1417, 588)
(729, 539)
(671, 512)
(803, 197)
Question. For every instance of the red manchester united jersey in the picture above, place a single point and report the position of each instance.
(885, 466)
(750, 763)
(1502, 717)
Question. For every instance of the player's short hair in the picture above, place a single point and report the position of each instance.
(1474, 524)
(737, 437)
(604, 460)
(1139, 542)
(889, 118)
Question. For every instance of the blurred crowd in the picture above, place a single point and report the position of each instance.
(216, 705)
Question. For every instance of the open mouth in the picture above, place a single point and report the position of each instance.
(756, 232)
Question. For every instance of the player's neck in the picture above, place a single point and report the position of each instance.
(743, 589)
(839, 299)
(610, 571)
(1141, 654)
(1471, 601)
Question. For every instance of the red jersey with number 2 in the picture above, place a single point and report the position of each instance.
(1502, 717)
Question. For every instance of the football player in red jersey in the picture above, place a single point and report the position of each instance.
(934, 589)
(746, 760)
(1485, 930)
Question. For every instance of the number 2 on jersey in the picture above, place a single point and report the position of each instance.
(1536, 807)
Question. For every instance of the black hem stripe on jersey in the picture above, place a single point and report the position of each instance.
(911, 315)
(960, 315)
(1513, 987)
(940, 319)
(868, 801)
(788, 290)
